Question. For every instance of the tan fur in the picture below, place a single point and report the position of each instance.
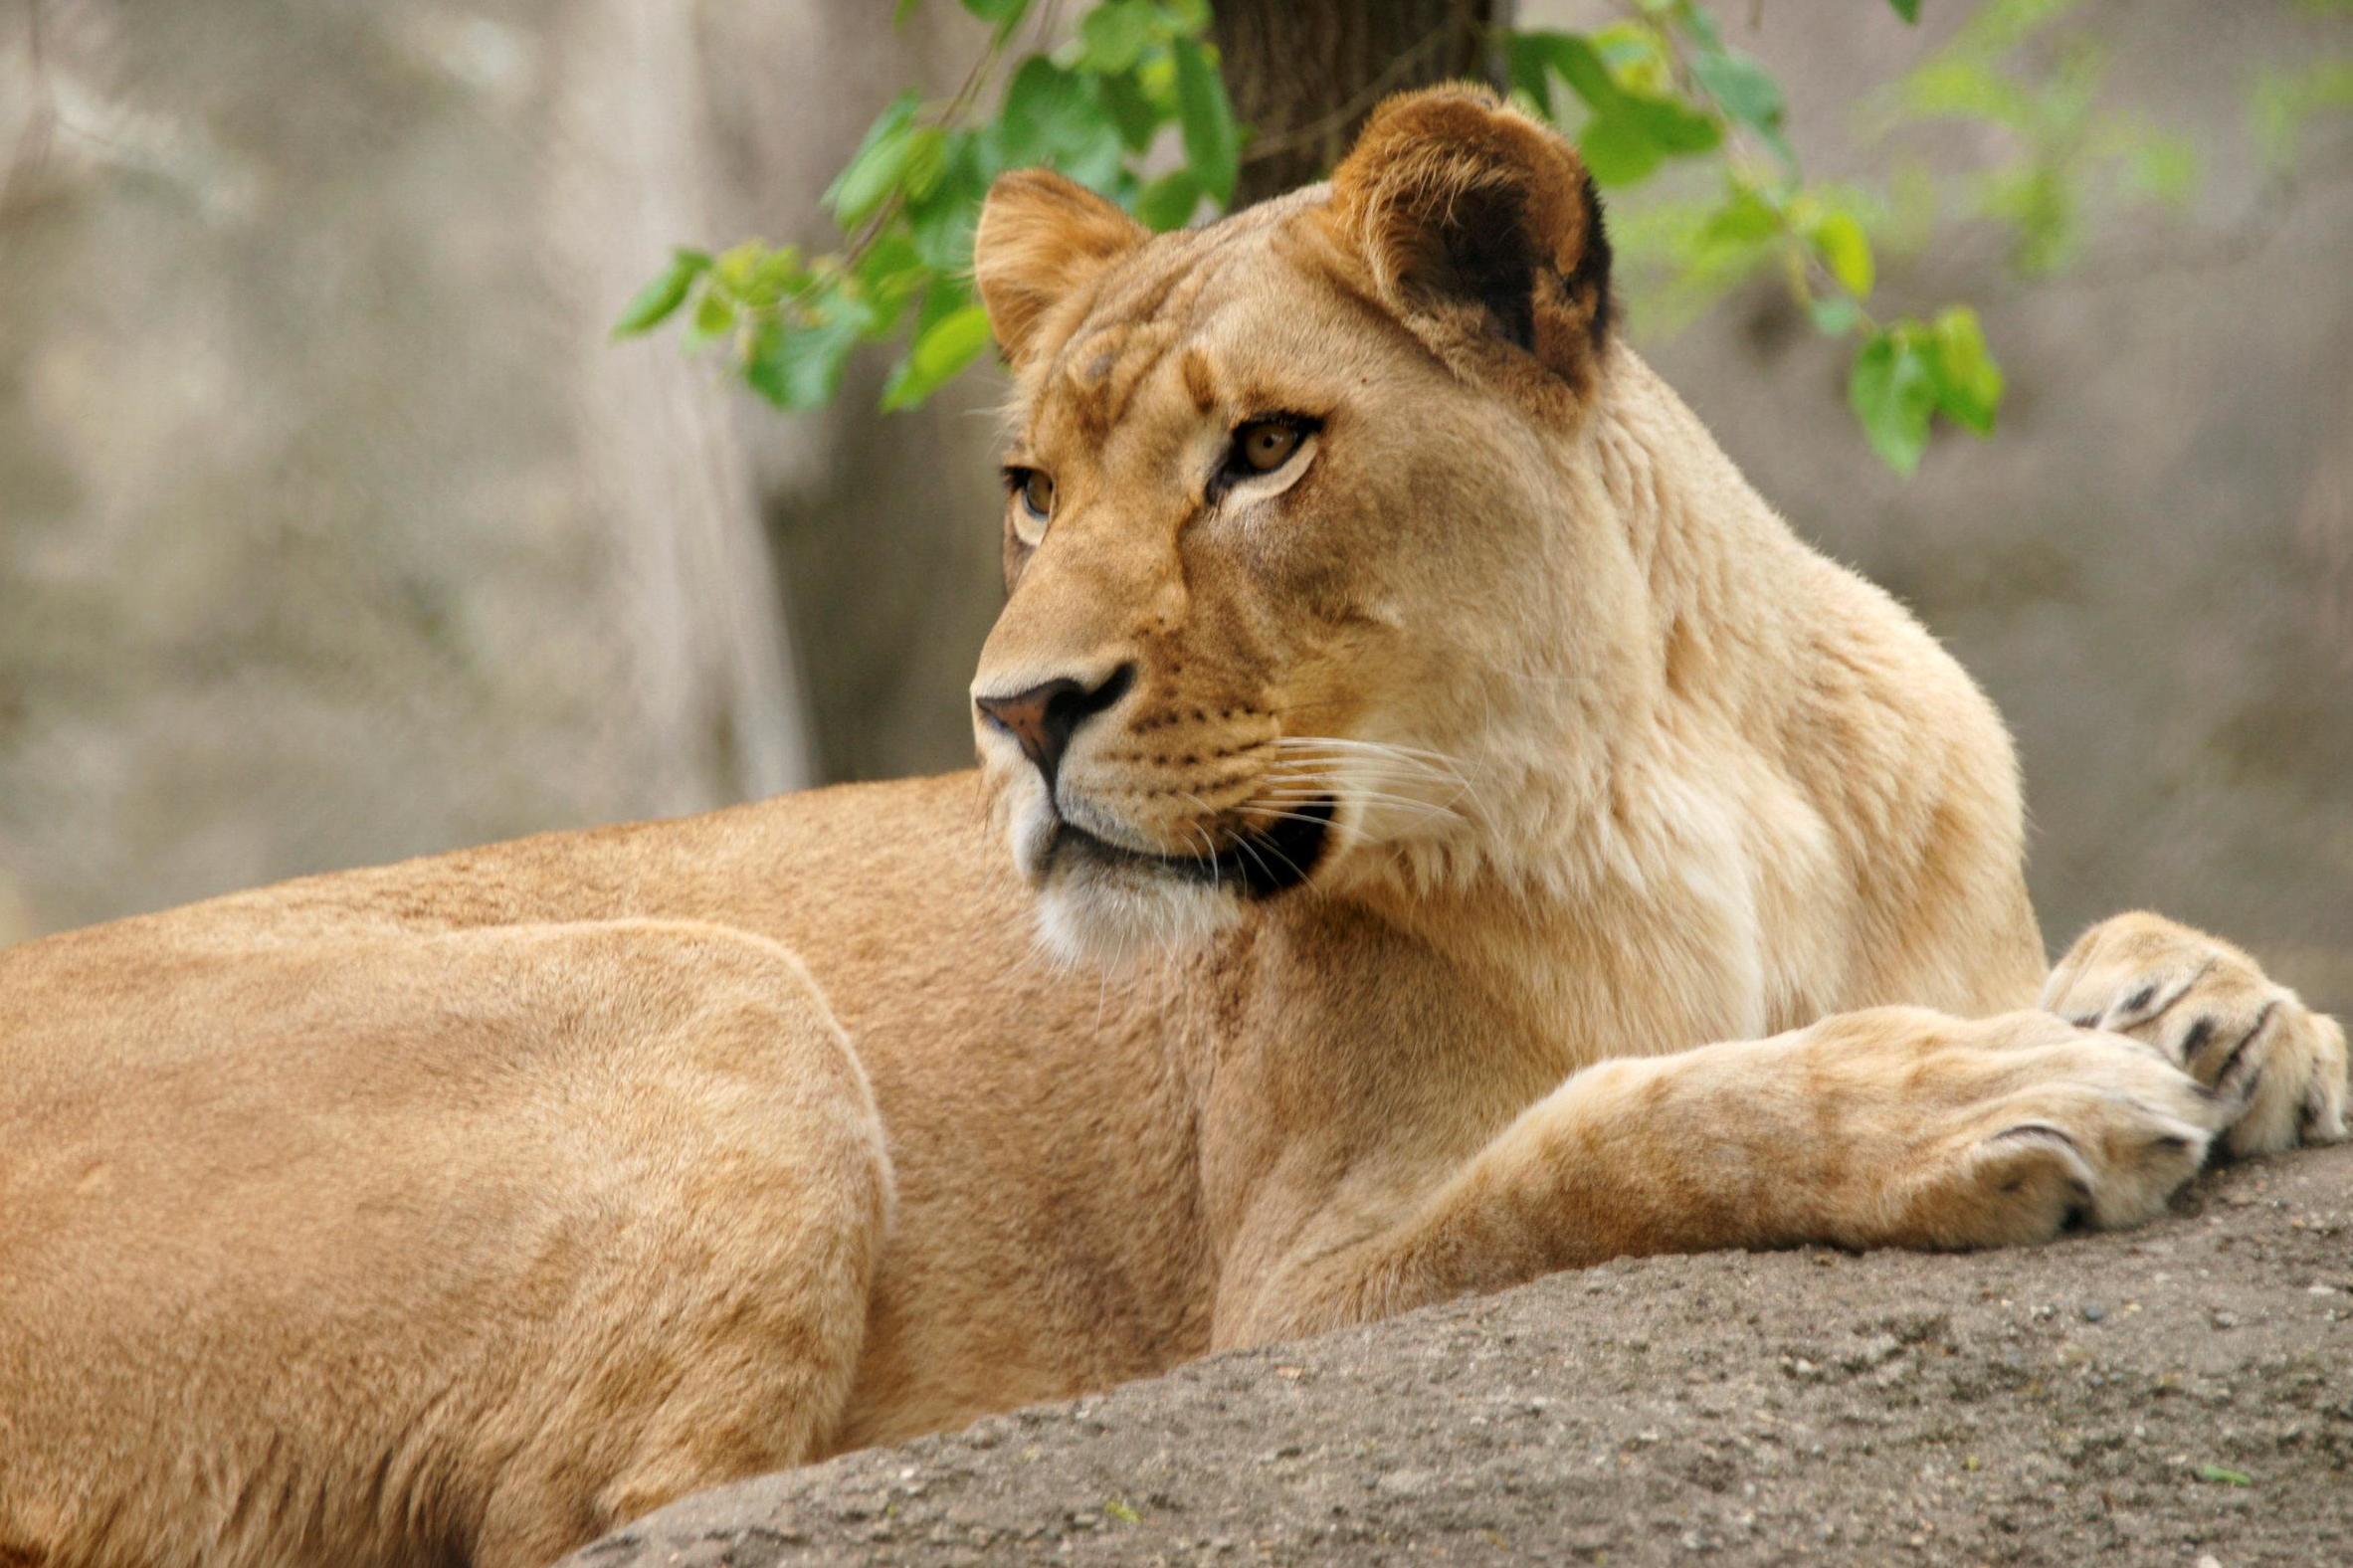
(458, 1210)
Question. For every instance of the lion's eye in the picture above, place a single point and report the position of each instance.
(1035, 489)
(1264, 445)
(1037, 495)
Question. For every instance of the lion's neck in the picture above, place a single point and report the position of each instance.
(1603, 787)
(1671, 598)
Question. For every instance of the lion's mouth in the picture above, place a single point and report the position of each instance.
(1257, 865)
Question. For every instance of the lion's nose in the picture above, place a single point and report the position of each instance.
(1046, 716)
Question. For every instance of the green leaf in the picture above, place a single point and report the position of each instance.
(927, 160)
(940, 222)
(1968, 383)
(1099, 161)
(1635, 50)
(1132, 109)
(659, 298)
(1213, 143)
(1000, 14)
(943, 298)
(1618, 150)
(889, 276)
(1112, 36)
(1186, 18)
(1581, 66)
(1038, 101)
(714, 315)
(1833, 318)
(1674, 127)
(800, 366)
(1909, 10)
(873, 170)
(1745, 219)
(1845, 251)
(1527, 68)
(1744, 88)
(942, 231)
(737, 267)
(1169, 201)
(1697, 23)
(1630, 131)
(939, 352)
(760, 276)
(1892, 392)
(1053, 116)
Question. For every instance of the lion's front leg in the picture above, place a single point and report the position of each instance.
(2211, 1010)
(1892, 1128)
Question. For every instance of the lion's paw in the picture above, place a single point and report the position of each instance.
(2058, 1130)
(2211, 1009)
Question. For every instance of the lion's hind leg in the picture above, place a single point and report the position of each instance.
(454, 1247)
(712, 1330)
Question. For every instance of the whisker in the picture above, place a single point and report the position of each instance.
(1251, 848)
(1209, 853)
(1287, 815)
(1349, 782)
(1370, 795)
(1378, 761)
(1380, 768)
(1404, 767)
(1389, 747)
(1209, 849)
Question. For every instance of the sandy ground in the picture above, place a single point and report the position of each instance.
(2180, 1394)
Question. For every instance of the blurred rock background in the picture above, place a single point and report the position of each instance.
(334, 528)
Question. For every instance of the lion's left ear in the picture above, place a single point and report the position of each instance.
(1040, 238)
(1477, 223)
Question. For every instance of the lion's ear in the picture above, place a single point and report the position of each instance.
(1039, 237)
(1475, 222)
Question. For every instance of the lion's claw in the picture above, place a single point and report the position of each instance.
(2279, 1066)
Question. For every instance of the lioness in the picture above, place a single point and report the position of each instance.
(1431, 744)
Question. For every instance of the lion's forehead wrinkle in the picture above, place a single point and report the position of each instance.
(1140, 310)
(1201, 380)
(1107, 367)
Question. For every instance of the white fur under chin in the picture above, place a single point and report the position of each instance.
(1104, 917)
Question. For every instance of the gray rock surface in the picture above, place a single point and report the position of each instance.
(2153, 1396)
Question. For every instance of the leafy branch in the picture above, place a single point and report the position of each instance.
(1092, 107)
(1129, 103)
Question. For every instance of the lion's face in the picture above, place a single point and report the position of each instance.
(1285, 504)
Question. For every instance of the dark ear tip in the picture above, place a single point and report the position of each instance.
(1457, 199)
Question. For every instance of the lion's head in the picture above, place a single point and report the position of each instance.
(1311, 582)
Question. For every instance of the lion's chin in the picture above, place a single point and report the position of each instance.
(1102, 901)
(1104, 914)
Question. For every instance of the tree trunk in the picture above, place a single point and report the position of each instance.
(1304, 74)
